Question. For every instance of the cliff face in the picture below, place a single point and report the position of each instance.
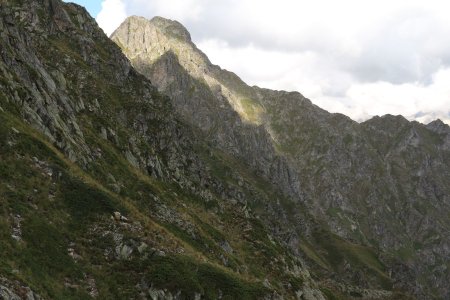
(383, 183)
(217, 102)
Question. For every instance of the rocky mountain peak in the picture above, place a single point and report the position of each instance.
(439, 126)
(171, 28)
(149, 40)
(168, 42)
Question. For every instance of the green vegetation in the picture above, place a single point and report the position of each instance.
(181, 273)
(70, 204)
(85, 202)
(44, 261)
(253, 111)
(337, 253)
(332, 295)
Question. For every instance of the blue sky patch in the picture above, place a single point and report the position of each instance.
(93, 6)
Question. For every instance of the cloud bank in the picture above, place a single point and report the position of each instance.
(360, 58)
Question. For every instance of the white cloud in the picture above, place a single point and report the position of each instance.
(357, 57)
(180, 10)
(413, 100)
(112, 15)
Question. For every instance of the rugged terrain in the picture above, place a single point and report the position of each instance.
(111, 190)
(384, 183)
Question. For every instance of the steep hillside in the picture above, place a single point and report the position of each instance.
(104, 193)
(382, 184)
(107, 193)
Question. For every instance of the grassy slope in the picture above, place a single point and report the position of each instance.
(79, 206)
(71, 207)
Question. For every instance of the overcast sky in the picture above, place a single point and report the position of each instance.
(358, 57)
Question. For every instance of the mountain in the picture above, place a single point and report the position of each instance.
(383, 183)
(192, 185)
(105, 193)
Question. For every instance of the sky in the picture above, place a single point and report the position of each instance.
(93, 6)
(358, 57)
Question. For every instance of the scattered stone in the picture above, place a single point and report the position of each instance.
(312, 294)
(72, 253)
(132, 159)
(267, 284)
(224, 260)
(226, 247)
(92, 287)
(7, 294)
(117, 216)
(157, 294)
(16, 233)
(14, 290)
(142, 248)
(124, 251)
(70, 285)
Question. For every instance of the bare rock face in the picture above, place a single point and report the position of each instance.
(217, 102)
(14, 290)
(382, 183)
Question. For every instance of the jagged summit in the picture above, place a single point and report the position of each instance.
(169, 28)
(172, 28)
(388, 120)
(157, 39)
(439, 126)
(438, 122)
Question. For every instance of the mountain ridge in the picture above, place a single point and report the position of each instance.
(309, 140)
(180, 27)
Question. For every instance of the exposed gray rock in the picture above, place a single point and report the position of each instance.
(7, 294)
(226, 247)
(10, 290)
(123, 251)
(16, 227)
(156, 294)
(311, 294)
